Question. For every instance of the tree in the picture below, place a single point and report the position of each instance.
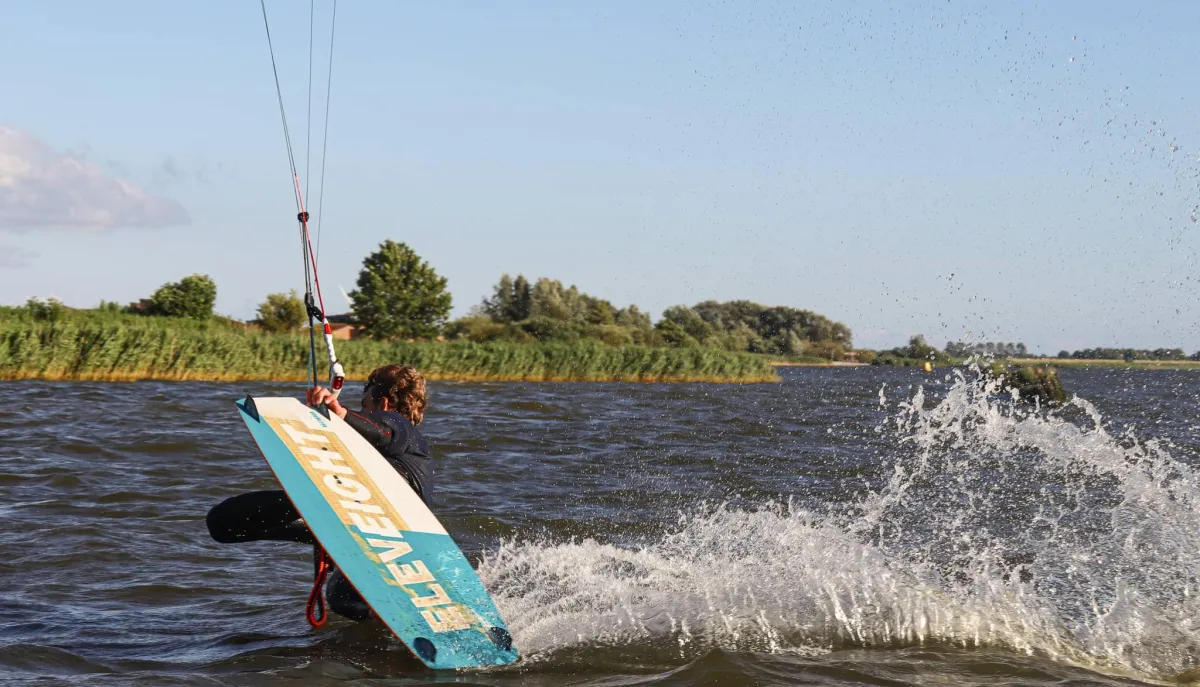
(919, 348)
(773, 322)
(51, 309)
(399, 295)
(599, 311)
(673, 334)
(499, 307)
(511, 301)
(957, 349)
(632, 317)
(281, 312)
(522, 304)
(688, 320)
(192, 296)
(792, 344)
(549, 298)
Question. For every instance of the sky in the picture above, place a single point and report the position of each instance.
(1025, 171)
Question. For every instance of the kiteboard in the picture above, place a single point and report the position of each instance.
(381, 535)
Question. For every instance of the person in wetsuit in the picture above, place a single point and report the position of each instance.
(393, 404)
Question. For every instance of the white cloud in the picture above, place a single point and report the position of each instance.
(43, 189)
(14, 257)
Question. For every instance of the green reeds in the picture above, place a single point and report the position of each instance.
(85, 345)
(1033, 381)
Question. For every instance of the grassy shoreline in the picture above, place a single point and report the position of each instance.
(8, 376)
(130, 348)
(821, 363)
(1073, 363)
(1078, 363)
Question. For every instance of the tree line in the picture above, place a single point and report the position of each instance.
(546, 310)
(400, 296)
(1129, 354)
(959, 349)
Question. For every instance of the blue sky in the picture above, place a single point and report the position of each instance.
(946, 168)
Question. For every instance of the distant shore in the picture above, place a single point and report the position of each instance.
(824, 363)
(1134, 364)
(1073, 363)
(188, 376)
(129, 348)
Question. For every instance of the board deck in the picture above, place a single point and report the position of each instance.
(381, 535)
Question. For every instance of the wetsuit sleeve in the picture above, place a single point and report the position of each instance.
(379, 434)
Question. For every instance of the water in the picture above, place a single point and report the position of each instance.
(846, 526)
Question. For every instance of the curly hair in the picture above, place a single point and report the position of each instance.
(403, 387)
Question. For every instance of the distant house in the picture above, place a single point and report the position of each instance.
(341, 330)
(143, 306)
(342, 326)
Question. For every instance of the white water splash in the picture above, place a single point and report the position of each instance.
(999, 525)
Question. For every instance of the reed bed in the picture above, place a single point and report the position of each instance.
(97, 346)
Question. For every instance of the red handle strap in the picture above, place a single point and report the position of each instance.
(315, 611)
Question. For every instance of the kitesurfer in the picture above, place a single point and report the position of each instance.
(393, 404)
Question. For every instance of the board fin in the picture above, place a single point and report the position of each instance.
(250, 409)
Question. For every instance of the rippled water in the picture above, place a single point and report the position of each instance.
(846, 526)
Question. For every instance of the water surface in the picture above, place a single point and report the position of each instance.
(845, 526)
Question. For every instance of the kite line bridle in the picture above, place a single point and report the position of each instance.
(315, 309)
(315, 611)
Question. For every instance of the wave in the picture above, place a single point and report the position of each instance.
(997, 524)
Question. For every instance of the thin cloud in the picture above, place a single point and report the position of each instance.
(13, 258)
(43, 189)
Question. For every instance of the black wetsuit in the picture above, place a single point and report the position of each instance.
(270, 516)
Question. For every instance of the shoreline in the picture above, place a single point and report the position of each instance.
(834, 363)
(148, 349)
(1069, 363)
(117, 377)
(1082, 363)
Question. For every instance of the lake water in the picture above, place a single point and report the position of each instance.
(846, 526)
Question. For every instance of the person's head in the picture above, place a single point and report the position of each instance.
(398, 388)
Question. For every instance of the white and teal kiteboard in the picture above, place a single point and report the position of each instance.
(381, 535)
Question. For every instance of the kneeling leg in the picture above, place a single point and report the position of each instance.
(344, 599)
(257, 516)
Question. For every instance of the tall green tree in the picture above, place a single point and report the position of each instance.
(281, 312)
(193, 296)
(633, 317)
(399, 294)
(549, 298)
(689, 320)
(51, 309)
(499, 306)
(773, 322)
(522, 299)
(511, 300)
